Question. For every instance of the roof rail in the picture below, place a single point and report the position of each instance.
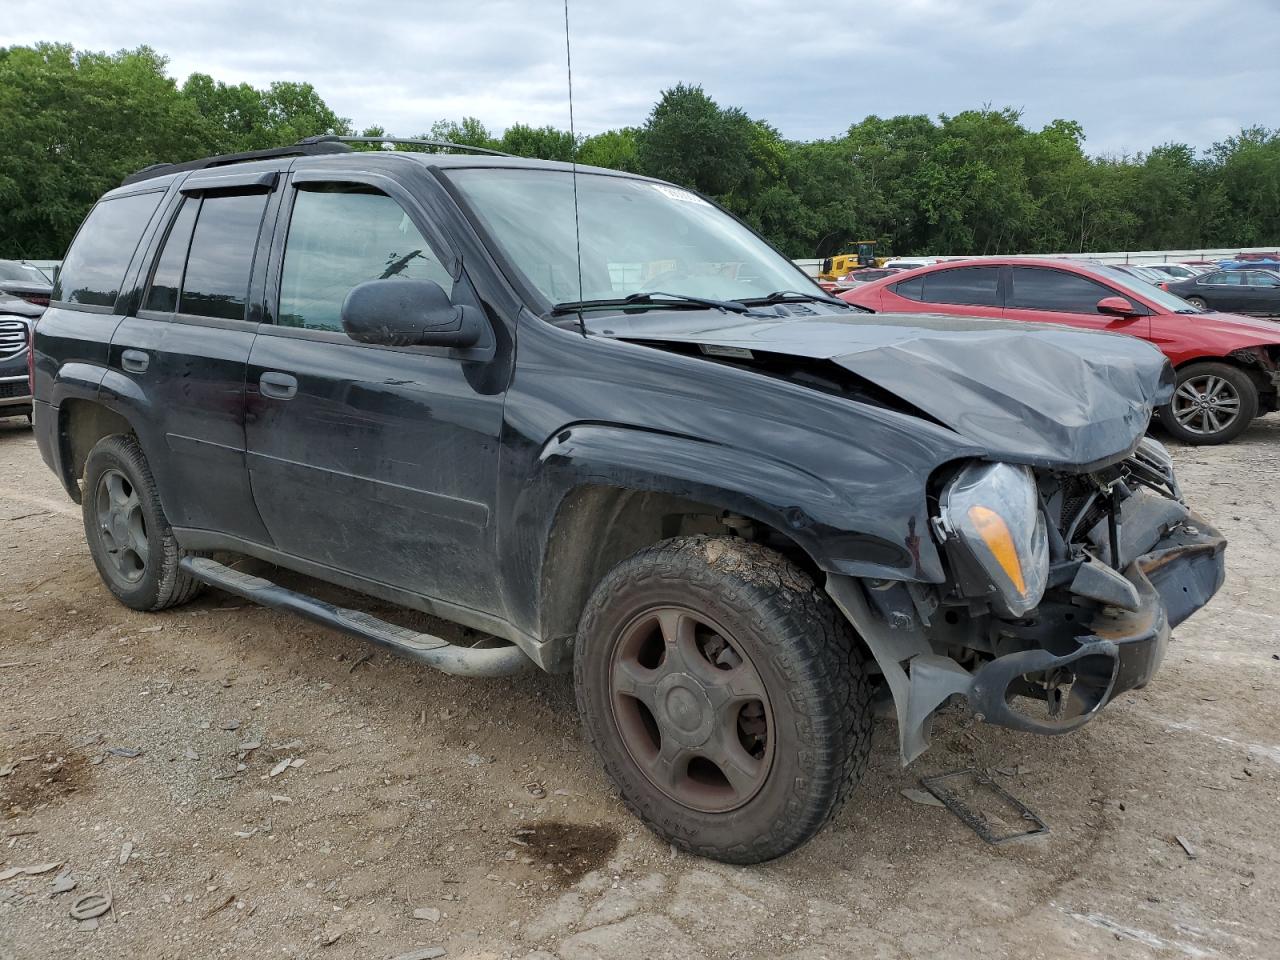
(331, 138)
(308, 147)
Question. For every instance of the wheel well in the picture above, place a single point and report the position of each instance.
(1261, 381)
(82, 423)
(598, 526)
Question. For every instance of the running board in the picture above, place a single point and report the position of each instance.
(433, 651)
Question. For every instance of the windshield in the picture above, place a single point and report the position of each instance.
(12, 270)
(1162, 298)
(637, 237)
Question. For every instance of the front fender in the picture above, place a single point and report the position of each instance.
(778, 494)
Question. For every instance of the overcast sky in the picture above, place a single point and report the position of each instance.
(1134, 73)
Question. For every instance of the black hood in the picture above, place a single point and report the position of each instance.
(1029, 393)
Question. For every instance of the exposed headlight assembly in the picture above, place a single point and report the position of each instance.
(992, 515)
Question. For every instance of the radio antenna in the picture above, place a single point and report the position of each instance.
(573, 159)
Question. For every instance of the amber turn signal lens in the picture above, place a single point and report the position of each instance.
(995, 534)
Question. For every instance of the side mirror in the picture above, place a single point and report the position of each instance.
(406, 313)
(1117, 306)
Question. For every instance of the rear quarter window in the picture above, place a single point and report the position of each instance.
(94, 268)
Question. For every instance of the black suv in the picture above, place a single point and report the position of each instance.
(598, 419)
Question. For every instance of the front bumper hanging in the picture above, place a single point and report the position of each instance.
(1119, 650)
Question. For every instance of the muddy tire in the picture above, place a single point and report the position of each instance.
(1213, 403)
(129, 536)
(725, 696)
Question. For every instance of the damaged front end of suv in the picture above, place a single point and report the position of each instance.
(1064, 589)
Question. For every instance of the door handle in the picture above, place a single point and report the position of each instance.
(281, 386)
(135, 361)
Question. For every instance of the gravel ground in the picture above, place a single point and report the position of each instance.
(476, 804)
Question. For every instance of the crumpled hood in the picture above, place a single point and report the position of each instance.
(1029, 393)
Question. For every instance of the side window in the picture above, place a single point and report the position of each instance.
(912, 289)
(1043, 289)
(976, 286)
(167, 279)
(1260, 278)
(341, 236)
(1221, 278)
(94, 267)
(216, 282)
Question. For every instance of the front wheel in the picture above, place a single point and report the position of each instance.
(725, 696)
(1213, 403)
(1198, 303)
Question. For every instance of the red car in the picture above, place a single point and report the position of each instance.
(1228, 366)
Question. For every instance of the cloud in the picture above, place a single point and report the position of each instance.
(1134, 74)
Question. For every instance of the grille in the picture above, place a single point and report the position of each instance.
(13, 337)
(10, 390)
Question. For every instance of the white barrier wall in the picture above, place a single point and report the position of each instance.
(813, 267)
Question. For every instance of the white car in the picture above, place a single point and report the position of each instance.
(1176, 271)
(909, 264)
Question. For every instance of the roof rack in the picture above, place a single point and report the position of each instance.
(446, 144)
(303, 148)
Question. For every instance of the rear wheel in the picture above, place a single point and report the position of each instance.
(1198, 303)
(1213, 403)
(129, 536)
(725, 696)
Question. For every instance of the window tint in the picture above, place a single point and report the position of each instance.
(216, 283)
(341, 236)
(968, 285)
(1260, 278)
(912, 289)
(167, 280)
(95, 264)
(1230, 278)
(1037, 289)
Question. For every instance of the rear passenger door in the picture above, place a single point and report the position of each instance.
(186, 348)
(1046, 295)
(380, 462)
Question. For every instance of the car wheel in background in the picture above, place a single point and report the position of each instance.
(129, 537)
(1197, 303)
(725, 695)
(1213, 403)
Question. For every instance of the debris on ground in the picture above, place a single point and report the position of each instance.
(984, 806)
(127, 752)
(427, 913)
(423, 953)
(1187, 848)
(923, 797)
(126, 850)
(91, 905)
(31, 871)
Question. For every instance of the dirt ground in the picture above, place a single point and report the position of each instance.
(477, 804)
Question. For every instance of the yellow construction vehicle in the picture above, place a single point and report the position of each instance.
(842, 264)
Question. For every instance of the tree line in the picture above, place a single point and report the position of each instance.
(74, 123)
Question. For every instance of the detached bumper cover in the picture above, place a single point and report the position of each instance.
(1121, 650)
(1125, 649)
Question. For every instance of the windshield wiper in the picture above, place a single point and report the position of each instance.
(647, 299)
(799, 296)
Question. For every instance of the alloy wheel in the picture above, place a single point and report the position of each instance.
(122, 527)
(692, 709)
(1206, 404)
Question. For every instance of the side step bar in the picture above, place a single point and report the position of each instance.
(433, 651)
